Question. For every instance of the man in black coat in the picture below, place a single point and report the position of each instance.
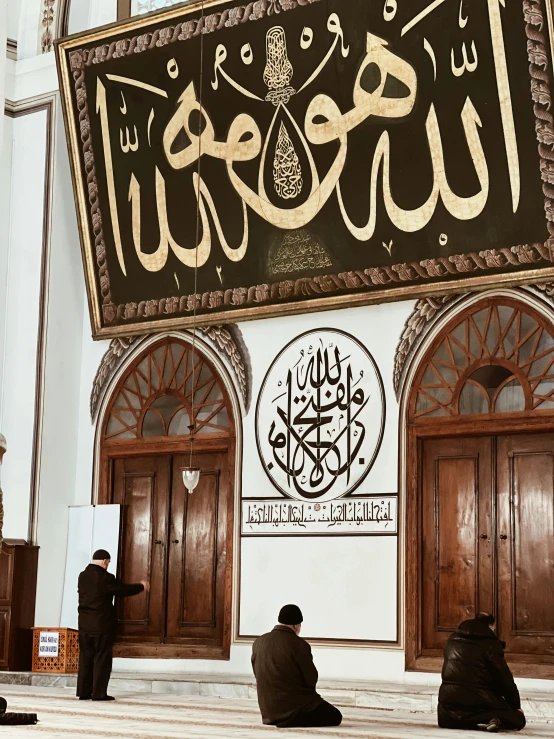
(286, 677)
(478, 690)
(97, 624)
(15, 719)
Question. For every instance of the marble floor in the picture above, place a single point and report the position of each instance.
(145, 716)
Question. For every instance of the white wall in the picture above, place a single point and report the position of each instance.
(6, 156)
(3, 41)
(327, 576)
(61, 389)
(85, 14)
(92, 353)
(348, 582)
(28, 40)
(21, 306)
(328, 573)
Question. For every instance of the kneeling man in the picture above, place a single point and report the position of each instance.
(478, 690)
(286, 677)
(15, 719)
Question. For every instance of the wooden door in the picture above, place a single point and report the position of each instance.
(141, 487)
(457, 534)
(198, 557)
(525, 535)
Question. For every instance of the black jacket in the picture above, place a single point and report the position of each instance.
(475, 675)
(97, 589)
(286, 676)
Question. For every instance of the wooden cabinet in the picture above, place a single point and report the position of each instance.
(18, 584)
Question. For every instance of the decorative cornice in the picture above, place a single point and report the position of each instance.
(226, 339)
(11, 49)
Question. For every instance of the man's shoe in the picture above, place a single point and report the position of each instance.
(493, 727)
(85, 697)
(105, 698)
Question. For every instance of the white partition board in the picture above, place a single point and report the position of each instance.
(345, 586)
(90, 528)
(105, 533)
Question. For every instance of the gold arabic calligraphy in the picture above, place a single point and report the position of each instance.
(324, 123)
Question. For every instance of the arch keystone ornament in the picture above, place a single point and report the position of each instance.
(320, 416)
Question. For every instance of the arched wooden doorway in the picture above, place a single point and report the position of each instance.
(480, 485)
(181, 544)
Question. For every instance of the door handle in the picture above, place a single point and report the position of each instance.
(503, 537)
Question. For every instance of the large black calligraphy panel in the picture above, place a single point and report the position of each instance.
(320, 416)
(274, 156)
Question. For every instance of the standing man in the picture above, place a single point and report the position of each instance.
(97, 623)
(286, 677)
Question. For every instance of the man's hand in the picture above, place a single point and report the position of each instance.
(146, 585)
(521, 710)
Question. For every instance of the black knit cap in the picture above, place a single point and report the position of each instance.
(100, 554)
(290, 615)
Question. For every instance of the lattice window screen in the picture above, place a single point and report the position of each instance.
(497, 359)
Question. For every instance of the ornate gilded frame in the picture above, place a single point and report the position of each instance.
(475, 270)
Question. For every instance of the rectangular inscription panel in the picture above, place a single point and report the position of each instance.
(325, 149)
(378, 515)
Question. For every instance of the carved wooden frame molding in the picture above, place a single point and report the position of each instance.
(227, 340)
(322, 289)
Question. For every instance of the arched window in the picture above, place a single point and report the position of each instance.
(168, 391)
(496, 357)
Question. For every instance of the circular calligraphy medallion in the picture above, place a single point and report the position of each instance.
(320, 416)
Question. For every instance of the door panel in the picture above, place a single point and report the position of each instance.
(141, 486)
(198, 556)
(526, 543)
(457, 572)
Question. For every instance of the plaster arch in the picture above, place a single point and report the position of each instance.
(203, 348)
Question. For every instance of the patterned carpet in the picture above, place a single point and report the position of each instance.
(147, 716)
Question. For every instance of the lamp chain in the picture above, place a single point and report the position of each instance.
(192, 428)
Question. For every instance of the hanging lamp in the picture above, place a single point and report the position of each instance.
(190, 474)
